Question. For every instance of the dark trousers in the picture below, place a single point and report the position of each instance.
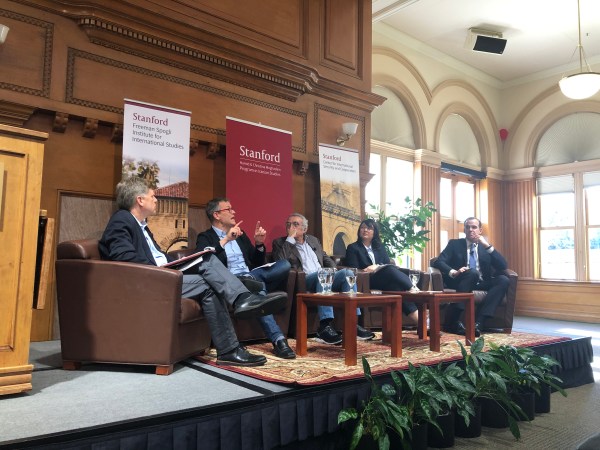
(469, 281)
(216, 289)
(391, 278)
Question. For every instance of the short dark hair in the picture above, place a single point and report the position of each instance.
(371, 224)
(471, 218)
(213, 206)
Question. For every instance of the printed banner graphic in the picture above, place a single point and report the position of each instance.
(340, 197)
(259, 176)
(156, 147)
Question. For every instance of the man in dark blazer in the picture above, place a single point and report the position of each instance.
(246, 261)
(127, 238)
(472, 264)
(304, 252)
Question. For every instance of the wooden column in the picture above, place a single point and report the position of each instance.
(21, 158)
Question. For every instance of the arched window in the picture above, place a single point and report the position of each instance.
(568, 193)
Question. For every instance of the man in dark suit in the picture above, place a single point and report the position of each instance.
(472, 264)
(305, 252)
(246, 261)
(127, 238)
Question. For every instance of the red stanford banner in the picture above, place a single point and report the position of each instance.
(259, 176)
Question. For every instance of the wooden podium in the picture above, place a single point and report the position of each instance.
(21, 158)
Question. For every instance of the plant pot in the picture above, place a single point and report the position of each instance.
(418, 439)
(473, 430)
(542, 401)
(367, 443)
(492, 414)
(526, 401)
(446, 438)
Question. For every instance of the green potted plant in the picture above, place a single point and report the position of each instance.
(493, 405)
(425, 396)
(404, 233)
(379, 416)
(525, 372)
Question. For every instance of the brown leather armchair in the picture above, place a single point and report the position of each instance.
(250, 330)
(503, 318)
(124, 313)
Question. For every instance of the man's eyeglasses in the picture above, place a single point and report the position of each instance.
(229, 208)
(296, 224)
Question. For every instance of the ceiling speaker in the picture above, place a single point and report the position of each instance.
(485, 41)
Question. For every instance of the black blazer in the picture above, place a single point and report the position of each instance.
(123, 240)
(456, 255)
(357, 256)
(252, 256)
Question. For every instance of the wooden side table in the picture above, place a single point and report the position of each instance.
(431, 300)
(392, 310)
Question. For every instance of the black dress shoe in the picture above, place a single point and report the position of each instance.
(253, 285)
(240, 357)
(460, 328)
(282, 349)
(252, 305)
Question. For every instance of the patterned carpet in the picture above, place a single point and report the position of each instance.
(325, 363)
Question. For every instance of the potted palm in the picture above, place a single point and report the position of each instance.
(380, 416)
(404, 233)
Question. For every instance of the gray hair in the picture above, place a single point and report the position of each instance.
(304, 220)
(128, 190)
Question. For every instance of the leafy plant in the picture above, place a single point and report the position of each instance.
(481, 373)
(378, 415)
(460, 391)
(404, 233)
(423, 393)
(523, 369)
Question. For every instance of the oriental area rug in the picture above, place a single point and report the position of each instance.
(325, 363)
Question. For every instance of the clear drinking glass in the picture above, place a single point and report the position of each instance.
(329, 280)
(351, 279)
(414, 276)
(322, 276)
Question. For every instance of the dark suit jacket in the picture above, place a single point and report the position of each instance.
(455, 256)
(123, 240)
(284, 250)
(252, 256)
(357, 256)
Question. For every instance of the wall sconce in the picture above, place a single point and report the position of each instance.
(3, 33)
(348, 130)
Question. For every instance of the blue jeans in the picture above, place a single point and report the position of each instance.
(272, 278)
(339, 285)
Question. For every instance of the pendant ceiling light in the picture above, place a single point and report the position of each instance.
(583, 84)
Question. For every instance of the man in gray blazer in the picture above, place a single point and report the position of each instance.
(472, 264)
(305, 252)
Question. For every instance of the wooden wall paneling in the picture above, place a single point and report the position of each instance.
(558, 300)
(430, 192)
(491, 205)
(519, 226)
(341, 36)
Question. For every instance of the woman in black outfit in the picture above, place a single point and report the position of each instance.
(368, 253)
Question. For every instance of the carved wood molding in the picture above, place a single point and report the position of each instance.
(47, 30)
(212, 150)
(90, 127)
(301, 167)
(74, 54)
(61, 120)
(15, 114)
(117, 134)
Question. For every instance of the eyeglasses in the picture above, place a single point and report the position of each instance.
(296, 224)
(365, 229)
(229, 208)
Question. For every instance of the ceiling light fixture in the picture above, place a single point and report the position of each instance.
(583, 84)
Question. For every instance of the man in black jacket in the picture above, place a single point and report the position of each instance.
(127, 238)
(472, 264)
(247, 261)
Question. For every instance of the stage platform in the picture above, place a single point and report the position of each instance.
(198, 406)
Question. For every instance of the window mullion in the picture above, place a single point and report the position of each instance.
(579, 232)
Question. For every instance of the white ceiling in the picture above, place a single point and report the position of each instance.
(541, 34)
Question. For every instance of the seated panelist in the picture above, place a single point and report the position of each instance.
(368, 253)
